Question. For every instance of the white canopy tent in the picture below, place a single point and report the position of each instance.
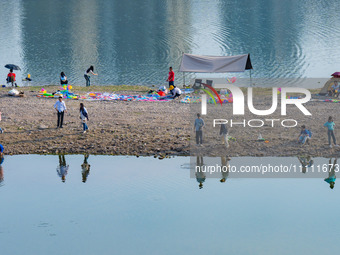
(215, 64)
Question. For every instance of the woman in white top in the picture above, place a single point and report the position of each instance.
(84, 117)
(63, 79)
(87, 75)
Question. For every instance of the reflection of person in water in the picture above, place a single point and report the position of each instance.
(305, 162)
(331, 173)
(85, 168)
(225, 168)
(200, 175)
(63, 168)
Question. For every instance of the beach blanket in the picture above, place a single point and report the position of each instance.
(106, 96)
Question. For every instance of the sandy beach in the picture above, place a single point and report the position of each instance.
(150, 128)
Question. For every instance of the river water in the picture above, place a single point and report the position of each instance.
(128, 205)
(134, 42)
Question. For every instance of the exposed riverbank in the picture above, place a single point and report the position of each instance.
(145, 128)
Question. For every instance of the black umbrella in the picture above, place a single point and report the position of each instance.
(11, 66)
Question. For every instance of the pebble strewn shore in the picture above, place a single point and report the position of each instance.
(147, 128)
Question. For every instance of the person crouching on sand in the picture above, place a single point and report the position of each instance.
(84, 117)
(175, 92)
(330, 131)
(304, 135)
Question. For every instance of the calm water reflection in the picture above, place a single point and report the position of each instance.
(147, 206)
(134, 42)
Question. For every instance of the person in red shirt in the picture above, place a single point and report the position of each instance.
(171, 77)
(11, 77)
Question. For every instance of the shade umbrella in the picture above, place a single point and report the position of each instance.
(11, 66)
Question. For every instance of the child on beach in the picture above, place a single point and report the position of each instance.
(304, 135)
(330, 126)
(175, 92)
(84, 117)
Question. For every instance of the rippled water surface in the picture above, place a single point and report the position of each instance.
(134, 42)
(128, 205)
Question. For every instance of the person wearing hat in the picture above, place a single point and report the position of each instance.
(60, 107)
(175, 92)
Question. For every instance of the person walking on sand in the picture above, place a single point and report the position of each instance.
(60, 107)
(89, 71)
(171, 77)
(224, 134)
(330, 127)
(199, 124)
(84, 117)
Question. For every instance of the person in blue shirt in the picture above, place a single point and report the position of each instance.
(1, 150)
(304, 135)
(199, 124)
(330, 127)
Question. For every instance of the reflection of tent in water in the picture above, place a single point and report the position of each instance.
(329, 83)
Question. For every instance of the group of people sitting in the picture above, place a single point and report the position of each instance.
(173, 91)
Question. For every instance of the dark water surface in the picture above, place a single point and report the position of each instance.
(134, 205)
(134, 42)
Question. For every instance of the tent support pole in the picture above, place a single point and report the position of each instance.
(250, 78)
(183, 80)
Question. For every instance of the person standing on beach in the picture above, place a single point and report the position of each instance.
(199, 124)
(60, 107)
(84, 117)
(89, 71)
(171, 77)
(330, 126)
(224, 134)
